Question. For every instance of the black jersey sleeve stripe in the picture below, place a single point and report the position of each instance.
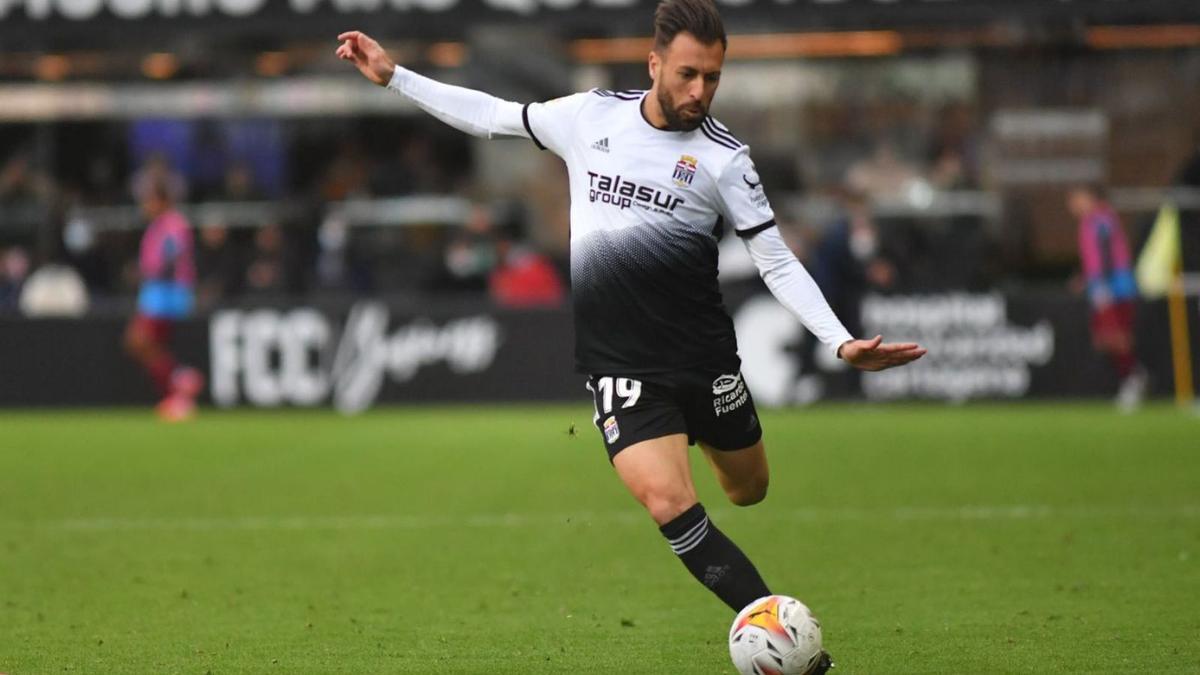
(721, 127)
(718, 140)
(711, 132)
(708, 124)
(627, 95)
(525, 120)
(751, 231)
(716, 130)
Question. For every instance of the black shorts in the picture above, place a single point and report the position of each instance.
(711, 407)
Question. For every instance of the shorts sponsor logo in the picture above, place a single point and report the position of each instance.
(729, 394)
(726, 383)
(611, 431)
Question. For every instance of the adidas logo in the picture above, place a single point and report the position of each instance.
(601, 145)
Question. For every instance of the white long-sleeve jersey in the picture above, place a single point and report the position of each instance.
(648, 207)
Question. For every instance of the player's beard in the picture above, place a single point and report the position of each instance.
(674, 115)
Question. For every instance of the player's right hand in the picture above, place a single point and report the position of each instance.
(875, 354)
(366, 55)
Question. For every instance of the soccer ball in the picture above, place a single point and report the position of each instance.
(775, 635)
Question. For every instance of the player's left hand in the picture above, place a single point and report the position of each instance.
(874, 354)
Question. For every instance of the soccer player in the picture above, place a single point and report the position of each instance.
(166, 296)
(654, 183)
(1110, 287)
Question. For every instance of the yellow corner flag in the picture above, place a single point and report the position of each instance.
(1158, 264)
(1160, 272)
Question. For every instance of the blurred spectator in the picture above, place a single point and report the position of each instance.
(239, 184)
(472, 254)
(218, 266)
(524, 278)
(332, 238)
(22, 182)
(14, 268)
(347, 175)
(104, 184)
(267, 269)
(948, 171)
(80, 247)
(54, 290)
(487, 256)
(847, 261)
(954, 152)
(343, 257)
(414, 168)
(882, 176)
(157, 171)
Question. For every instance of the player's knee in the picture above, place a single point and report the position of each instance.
(750, 492)
(664, 505)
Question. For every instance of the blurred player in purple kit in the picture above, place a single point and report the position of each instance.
(166, 296)
(1110, 287)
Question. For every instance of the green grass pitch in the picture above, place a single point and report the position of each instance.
(928, 539)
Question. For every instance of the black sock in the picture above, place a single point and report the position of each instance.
(713, 559)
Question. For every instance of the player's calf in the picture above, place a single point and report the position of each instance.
(743, 474)
(658, 475)
(713, 559)
(748, 492)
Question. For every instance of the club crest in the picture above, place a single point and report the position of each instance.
(685, 171)
(611, 431)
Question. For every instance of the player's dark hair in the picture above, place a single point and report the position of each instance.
(700, 18)
(158, 189)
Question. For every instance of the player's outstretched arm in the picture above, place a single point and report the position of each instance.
(467, 110)
(792, 285)
(875, 354)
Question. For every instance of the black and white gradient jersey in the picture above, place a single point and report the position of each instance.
(648, 208)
